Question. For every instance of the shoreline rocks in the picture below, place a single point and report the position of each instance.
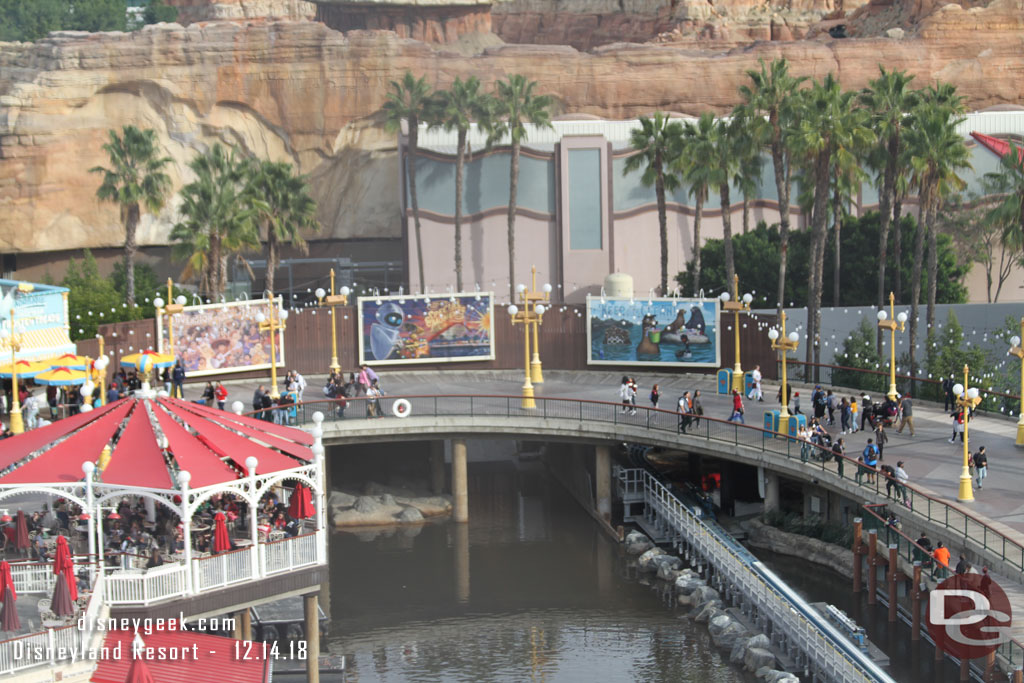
(382, 506)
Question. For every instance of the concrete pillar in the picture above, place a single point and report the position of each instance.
(236, 630)
(460, 491)
(858, 530)
(462, 585)
(312, 638)
(246, 624)
(603, 482)
(771, 491)
(891, 576)
(872, 566)
(915, 604)
(437, 467)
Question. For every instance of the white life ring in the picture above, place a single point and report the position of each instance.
(401, 408)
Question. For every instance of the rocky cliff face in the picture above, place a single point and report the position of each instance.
(299, 91)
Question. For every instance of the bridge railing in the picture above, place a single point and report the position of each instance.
(960, 524)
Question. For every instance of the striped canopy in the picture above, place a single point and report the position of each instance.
(25, 368)
(69, 360)
(62, 377)
(147, 360)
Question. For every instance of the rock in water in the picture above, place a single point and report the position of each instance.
(367, 504)
(756, 657)
(646, 561)
(409, 514)
(637, 543)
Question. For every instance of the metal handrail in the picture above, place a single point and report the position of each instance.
(970, 528)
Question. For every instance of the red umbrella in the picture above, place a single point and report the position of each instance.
(61, 603)
(300, 505)
(221, 542)
(21, 541)
(138, 672)
(6, 579)
(69, 574)
(9, 620)
(62, 552)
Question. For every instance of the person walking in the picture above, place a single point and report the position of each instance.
(961, 565)
(901, 483)
(958, 425)
(633, 389)
(947, 387)
(221, 394)
(831, 405)
(923, 554)
(906, 415)
(698, 408)
(870, 460)
(624, 393)
(818, 402)
(980, 466)
(795, 406)
(165, 377)
(655, 395)
(881, 438)
(838, 453)
(789, 395)
(854, 410)
(844, 415)
(941, 555)
(300, 383)
(755, 384)
(178, 379)
(257, 400)
(737, 408)
(803, 435)
(685, 408)
(867, 411)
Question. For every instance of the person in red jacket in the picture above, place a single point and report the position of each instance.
(737, 408)
(222, 395)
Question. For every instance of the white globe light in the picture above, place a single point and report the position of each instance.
(320, 292)
(184, 477)
(1015, 341)
(958, 389)
(86, 407)
(250, 464)
(546, 288)
(882, 315)
(773, 334)
(181, 300)
(793, 337)
(260, 318)
(540, 309)
(724, 296)
(345, 291)
(87, 467)
(513, 309)
(158, 302)
(102, 362)
(747, 298)
(283, 314)
(972, 393)
(237, 407)
(902, 317)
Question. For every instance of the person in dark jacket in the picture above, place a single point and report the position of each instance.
(178, 377)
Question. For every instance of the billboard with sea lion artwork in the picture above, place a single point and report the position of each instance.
(656, 332)
(218, 338)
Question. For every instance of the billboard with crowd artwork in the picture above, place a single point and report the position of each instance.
(402, 329)
(665, 332)
(218, 338)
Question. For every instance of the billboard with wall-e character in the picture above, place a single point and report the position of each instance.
(656, 332)
(218, 338)
(403, 329)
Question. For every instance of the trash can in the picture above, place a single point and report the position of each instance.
(725, 381)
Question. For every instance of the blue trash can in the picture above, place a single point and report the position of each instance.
(771, 420)
(725, 381)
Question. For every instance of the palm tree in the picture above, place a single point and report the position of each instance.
(284, 209)
(408, 101)
(693, 164)
(747, 151)
(218, 218)
(770, 101)
(936, 152)
(456, 109)
(1009, 213)
(657, 142)
(725, 165)
(888, 99)
(516, 105)
(135, 179)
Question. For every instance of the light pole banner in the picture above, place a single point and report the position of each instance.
(654, 332)
(395, 330)
(218, 338)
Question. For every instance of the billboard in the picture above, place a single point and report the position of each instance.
(655, 332)
(218, 338)
(401, 329)
(39, 319)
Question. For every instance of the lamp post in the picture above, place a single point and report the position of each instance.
(736, 306)
(331, 300)
(885, 324)
(271, 324)
(526, 317)
(1016, 350)
(173, 306)
(534, 297)
(965, 398)
(100, 364)
(785, 344)
(17, 423)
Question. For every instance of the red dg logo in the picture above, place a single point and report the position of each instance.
(969, 616)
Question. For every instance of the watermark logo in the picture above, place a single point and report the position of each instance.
(969, 616)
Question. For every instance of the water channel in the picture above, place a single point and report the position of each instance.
(531, 589)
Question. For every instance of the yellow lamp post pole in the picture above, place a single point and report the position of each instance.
(270, 324)
(526, 317)
(785, 344)
(1018, 351)
(330, 300)
(884, 322)
(17, 424)
(965, 398)
(736, 304)
(530, 299)
(101, 370)
(170, 307)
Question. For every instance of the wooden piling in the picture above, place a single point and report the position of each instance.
(893, 560)
(915, 604)
(858, 528)
(872, 566)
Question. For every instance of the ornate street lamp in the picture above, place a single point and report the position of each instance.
(966, 400)
(736, 306)
(330, 300)
(173, 306)
(891, 325)
(534, 298)
(526, 317)
(1016, 350)
(273, 323)
(785, 344)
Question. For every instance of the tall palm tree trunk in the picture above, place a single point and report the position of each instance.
(659, 189)
(746, 212)
(819, 215)
(837, 222)
(131, 224)
(933, 262)
(271, 258)
(513, 187)
(884, 218)
(414, 132)
(897, 259)
(460, 160)
(696, 241)
(915, 280)
(222, 286)
(730, 264)
(782, 172)
(215, 266)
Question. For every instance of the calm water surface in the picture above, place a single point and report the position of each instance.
(528, 590)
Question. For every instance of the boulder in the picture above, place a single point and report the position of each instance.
(387, 499)
(704, 612)
(739, 648)
(340, 499)
(729, 635)
(646, 561)
(705, 594)
(687, 583)
(367, 505)
(755, 658)
(719, 623)
(761, 641)
(409, 515)
(666, 572)
(637, 543)
(777, 676)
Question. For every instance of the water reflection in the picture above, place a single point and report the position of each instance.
(528, 590)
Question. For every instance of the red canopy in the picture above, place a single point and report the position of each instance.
(138, 672)
(283, 431)
(1000, 147)
(137, 460)
(68, 570)
(17, 447)
(293, 447)
(6, 579)
(221, 540)
(190, 454)
(218, 659)
(300, 505)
